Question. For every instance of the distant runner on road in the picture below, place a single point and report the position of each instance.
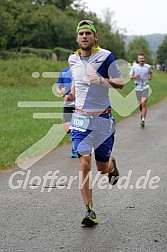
(141, 73)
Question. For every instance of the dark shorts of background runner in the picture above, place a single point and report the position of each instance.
(67, 113)
(142, 94)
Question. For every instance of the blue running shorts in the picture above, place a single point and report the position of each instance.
(98, 137)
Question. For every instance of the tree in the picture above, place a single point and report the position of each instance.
(36, 29)
(109, 36)
(7, 24)
(61, 4)
(6, 28)
(139, 45)
(162, 52)
(52, 23)
(39, 26)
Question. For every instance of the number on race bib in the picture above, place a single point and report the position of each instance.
(79, 122)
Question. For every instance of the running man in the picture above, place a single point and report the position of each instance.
(141, 73)
(63, 88)
(94, 71)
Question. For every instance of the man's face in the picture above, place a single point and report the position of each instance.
(86, 39)
(141, 59)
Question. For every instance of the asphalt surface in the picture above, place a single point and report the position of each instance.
(132, 215)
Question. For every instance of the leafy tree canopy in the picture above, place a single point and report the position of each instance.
(162, 52)
(139, 45)
(51, 23)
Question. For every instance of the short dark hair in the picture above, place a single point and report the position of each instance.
(141, 54)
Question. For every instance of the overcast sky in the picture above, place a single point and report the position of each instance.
(138, 17)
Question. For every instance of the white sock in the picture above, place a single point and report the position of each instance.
(142, 119)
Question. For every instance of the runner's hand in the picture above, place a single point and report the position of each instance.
(63, 90)
(136, 76)
(68, 98)
(94, 78)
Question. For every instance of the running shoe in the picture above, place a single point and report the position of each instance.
(113, 176)
(142, 124)
(90, 217)
(73, 154)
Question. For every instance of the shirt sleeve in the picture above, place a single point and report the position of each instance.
(150, 69)
(131, 71)
(60, 82)
(113, 70)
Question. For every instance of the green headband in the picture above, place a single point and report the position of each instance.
(87, 26)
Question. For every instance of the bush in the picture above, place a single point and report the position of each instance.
(41, 53)
(62, 54)
(27, 52)
(7, 55)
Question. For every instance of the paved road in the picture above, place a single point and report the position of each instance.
(130, 219)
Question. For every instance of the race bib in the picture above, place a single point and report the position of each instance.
(79, 122)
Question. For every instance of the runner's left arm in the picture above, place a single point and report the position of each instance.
(150, 75)
(70, 96)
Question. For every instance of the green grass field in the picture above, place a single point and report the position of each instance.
(19, 130)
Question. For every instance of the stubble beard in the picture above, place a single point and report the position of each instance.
(86, 47)
(141, 63)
